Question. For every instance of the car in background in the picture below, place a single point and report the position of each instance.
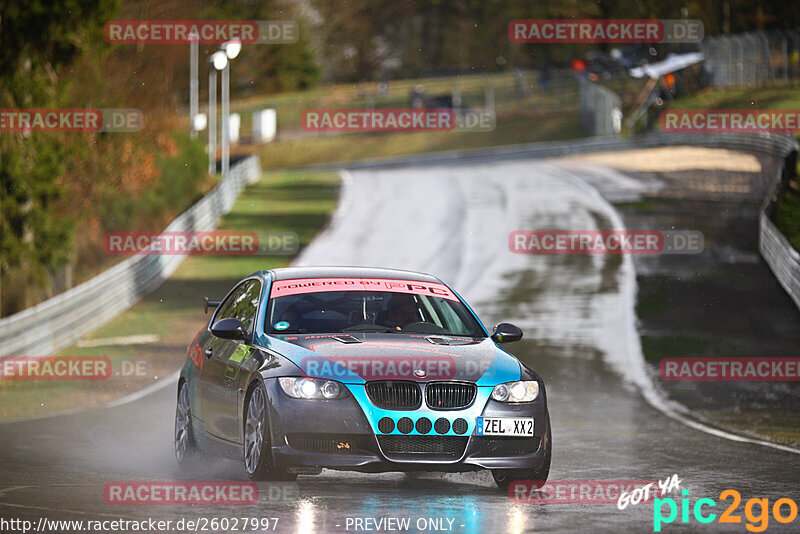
(359, 369)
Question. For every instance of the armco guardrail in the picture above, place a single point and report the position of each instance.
(778, 252)
(60, 321)
(782, 258)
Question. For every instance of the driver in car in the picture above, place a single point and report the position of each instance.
(401, 311)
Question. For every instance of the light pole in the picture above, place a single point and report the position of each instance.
(217, 62)
(231, 49)
(193, 98)
(226, 143)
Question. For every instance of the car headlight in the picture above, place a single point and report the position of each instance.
(310, 388)
(520, 391)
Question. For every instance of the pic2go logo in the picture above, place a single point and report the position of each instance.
(757, 522)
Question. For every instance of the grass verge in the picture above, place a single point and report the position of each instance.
(777, 423)
(526, 127)
(741, 98)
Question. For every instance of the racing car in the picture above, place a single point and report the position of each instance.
(361, 369)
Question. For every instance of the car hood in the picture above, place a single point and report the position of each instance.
(361, 357)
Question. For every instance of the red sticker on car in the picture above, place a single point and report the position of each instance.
(196, 351)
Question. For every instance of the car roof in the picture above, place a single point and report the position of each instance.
(293, 273)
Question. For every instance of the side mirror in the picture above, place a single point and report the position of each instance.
(229, 328)
(506, 333)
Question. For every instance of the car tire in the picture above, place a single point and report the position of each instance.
(186, 451)
(257, 457)
(504, 477)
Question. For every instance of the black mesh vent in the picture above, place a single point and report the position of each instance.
(386, 425)
(460, 426)
(441, 426)
(423, 425)
(488, 446)
(442, 446)
(405, 425)
(449, 395)
(394, 395)
(332, 444)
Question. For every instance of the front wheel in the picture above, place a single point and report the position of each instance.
(504, 477)
(257, 457)
(186, 451)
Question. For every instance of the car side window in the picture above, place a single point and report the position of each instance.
(224, 310)
(242, 304)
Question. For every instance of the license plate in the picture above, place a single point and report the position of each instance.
(504, 426)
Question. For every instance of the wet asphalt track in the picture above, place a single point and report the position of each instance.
(576, 313)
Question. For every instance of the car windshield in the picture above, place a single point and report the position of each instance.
(370, 311)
